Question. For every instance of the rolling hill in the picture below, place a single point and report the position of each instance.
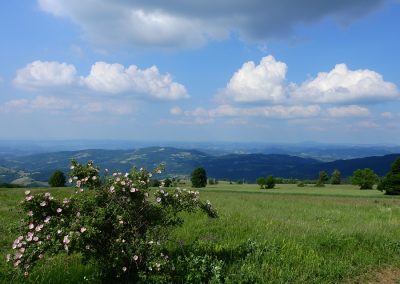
(180, 162)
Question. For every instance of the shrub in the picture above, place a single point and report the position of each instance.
(199, 178)
(167, 182)
(113, 221)
(365, 178)
(323, 178)
(336, 177)
(57, 179)
(154, 183)
(270, 182)
(390, 184)
(261, 182)
(301, 184)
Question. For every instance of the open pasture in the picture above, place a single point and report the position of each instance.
(283, 235)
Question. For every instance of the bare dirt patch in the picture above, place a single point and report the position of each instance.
(389, 275)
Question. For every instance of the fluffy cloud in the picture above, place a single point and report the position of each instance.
(187, 23)
(342, 85)
(346, 111)
(254, 83)
(103, 77)
(115, 79)
(266, 83)
(40, 74)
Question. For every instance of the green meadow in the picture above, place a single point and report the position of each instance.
(287, 234)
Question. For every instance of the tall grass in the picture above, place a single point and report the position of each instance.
(283, 235)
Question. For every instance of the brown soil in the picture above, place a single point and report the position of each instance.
(389, 275)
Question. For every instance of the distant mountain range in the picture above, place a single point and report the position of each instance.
(319, 151)
(35, 169)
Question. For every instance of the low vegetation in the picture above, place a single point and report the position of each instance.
(365, 178)
(199, 178)
(390, 184)
(110, 221)
(57, 179)
(286, 235)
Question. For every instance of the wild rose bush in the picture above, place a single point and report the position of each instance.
(114, 220)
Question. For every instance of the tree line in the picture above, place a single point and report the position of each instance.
(365, 178)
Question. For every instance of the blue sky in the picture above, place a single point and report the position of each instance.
(237, 70)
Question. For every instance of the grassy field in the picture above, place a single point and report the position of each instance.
(284, 235)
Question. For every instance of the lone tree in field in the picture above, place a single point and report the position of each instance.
(323, 178)
(261, 182)
(365, 178)
(199, 178)
(57, 179)
(270, 182)
(336, 177)
(390, 184)
(167, 182)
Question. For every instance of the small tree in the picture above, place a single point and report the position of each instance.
(365, 178)
(336, 177)
(270, 182)
(154, 183)
(323, 178)
(167, 182)
(57, 179)
(390, 184)
(261, 182)
(199, 178)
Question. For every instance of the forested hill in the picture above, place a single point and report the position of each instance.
(180, 162)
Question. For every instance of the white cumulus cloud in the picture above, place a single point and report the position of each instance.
(103, 77)
(352, 110)
(255, 83)
(115, 79)
(342, 85)
(40, 74)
